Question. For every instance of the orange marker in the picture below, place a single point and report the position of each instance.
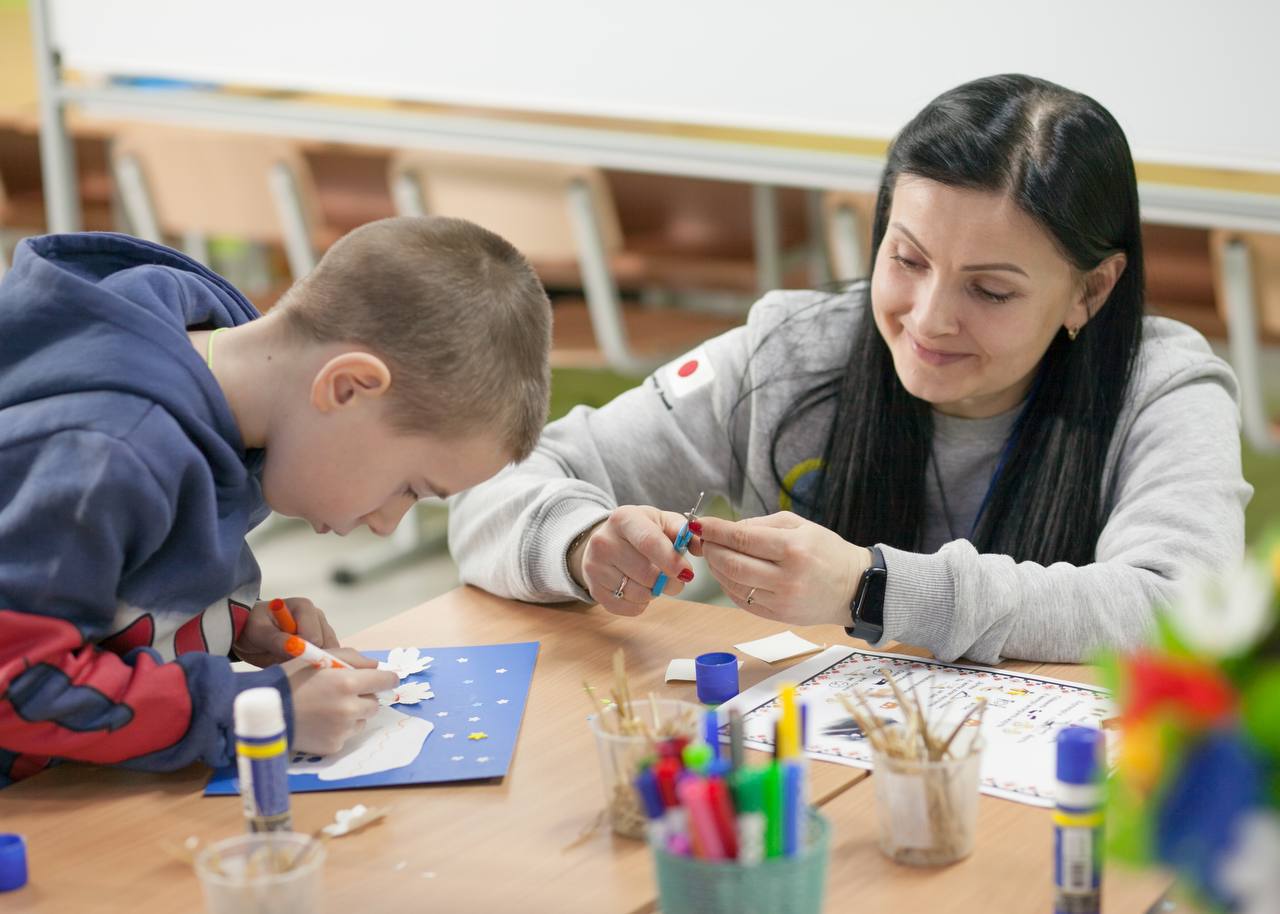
(318, 657)
(284, 618)
(321, 659)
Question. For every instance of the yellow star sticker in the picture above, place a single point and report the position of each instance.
(477, 735)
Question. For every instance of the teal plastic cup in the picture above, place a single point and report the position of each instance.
(778, 885)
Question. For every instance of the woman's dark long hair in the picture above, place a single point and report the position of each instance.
(1063, 158)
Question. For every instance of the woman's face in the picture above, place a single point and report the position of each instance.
(969, 291)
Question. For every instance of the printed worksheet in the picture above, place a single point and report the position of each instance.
(1019, 727)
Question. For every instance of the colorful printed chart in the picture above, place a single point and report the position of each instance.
(466, 731)
(1019, 729)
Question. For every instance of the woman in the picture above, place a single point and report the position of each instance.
(1027, 463)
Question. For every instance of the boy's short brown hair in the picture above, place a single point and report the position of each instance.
(457, 314)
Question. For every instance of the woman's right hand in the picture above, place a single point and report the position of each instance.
(636, 541)
(330, 706)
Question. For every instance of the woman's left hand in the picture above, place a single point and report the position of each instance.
(784, 567)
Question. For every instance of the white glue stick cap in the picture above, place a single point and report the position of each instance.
(259, 713)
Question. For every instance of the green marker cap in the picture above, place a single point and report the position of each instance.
(697, 756)
(747, 785)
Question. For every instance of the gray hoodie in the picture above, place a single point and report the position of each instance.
(706, 422)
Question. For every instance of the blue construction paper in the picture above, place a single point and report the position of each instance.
(467, 683)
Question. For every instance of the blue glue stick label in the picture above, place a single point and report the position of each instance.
(263, 766)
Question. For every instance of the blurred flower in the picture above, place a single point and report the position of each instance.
(1224, 616)
(1252, 873)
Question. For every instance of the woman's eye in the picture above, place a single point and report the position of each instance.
(997, 297)
(905, 263)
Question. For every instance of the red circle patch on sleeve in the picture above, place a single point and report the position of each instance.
(687, 368)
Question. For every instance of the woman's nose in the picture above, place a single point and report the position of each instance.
(934, 312)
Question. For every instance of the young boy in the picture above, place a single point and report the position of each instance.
(149, 418)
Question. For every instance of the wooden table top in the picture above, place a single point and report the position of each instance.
(525, 843)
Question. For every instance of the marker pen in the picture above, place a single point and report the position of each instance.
(694, 796)
(748, 797)
(321, 659)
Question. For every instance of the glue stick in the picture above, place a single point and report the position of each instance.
(1077, 822)
(262, 760)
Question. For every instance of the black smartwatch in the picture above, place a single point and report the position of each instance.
(867, 608)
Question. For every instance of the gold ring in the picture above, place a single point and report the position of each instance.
(622, 585)
(751, 596)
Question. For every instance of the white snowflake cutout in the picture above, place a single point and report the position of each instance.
(405, 661)
(410, 693)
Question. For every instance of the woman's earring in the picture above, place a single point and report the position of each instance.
(1072, 333)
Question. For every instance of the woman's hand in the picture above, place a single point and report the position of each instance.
(635, 541)
(261, 641)
(784, 567)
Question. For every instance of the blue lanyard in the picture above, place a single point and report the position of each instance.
(1000, 464)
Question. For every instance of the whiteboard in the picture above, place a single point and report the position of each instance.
(1191, 82)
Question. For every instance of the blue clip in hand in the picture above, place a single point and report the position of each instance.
(681, 543)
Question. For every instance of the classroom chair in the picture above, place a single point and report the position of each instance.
(1247, 277)
(564, 219)
(196, 184)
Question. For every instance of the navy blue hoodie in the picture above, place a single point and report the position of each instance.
(125, 496)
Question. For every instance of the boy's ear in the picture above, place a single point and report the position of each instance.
(346, 377)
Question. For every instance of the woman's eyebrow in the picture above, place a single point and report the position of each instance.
(972, 268)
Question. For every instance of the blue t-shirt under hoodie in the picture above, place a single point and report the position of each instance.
(125, 496)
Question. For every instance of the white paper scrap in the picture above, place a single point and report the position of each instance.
(682, 670)
(781, 646)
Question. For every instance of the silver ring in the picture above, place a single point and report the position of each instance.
(751, 596)
(622, 585)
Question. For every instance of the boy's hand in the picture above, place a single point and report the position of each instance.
(636, 541)
(261, 641)
(331, 706)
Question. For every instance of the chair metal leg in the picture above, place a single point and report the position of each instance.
(196, 246)
(603, 304)
(819, 262)
(1242, 330)
(406, 191)
(846, 242)
(139, 211)
(297, 232)
(768, 237)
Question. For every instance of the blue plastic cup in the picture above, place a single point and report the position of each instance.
(13, 862)
(717, 677)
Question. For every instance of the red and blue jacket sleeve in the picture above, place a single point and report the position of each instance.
(78, 511)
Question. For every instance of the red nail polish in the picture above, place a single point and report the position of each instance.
(685, 575)
(696, 527)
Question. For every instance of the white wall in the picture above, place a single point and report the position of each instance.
(1192, 83)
